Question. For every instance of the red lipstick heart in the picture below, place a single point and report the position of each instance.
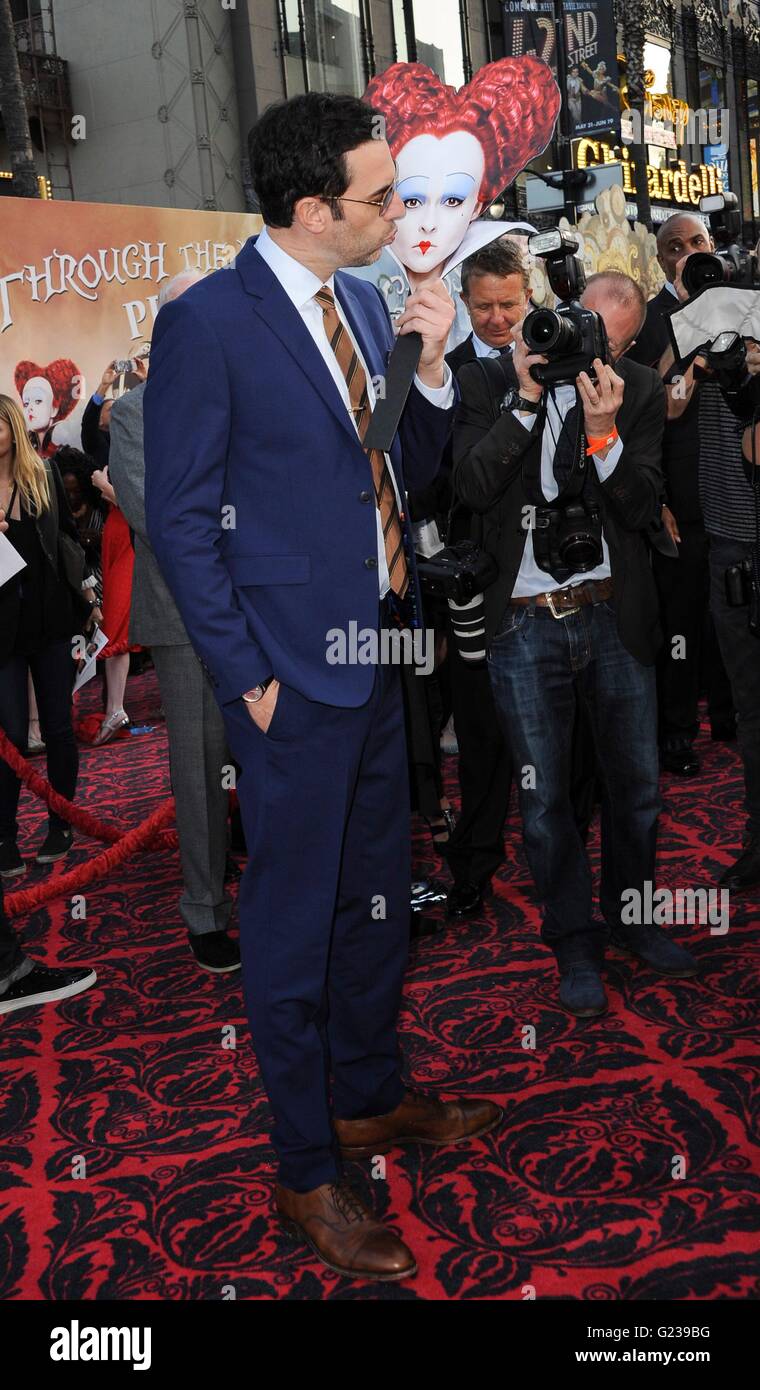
(424, 246)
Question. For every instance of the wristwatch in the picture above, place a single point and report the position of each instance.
(258, 692)
(514, 401)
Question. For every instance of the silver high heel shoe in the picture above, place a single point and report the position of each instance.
(110, 726)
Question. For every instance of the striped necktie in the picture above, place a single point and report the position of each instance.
(385, 493)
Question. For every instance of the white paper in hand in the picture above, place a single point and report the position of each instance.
(713, 311)
(10, 560)
(95, 645)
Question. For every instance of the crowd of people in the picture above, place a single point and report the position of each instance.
(590, 679)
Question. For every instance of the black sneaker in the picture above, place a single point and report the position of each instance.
(11, 862)
(56, 845)
(43, 985)
(215, 951)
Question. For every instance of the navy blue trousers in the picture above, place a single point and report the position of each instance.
(324, 913)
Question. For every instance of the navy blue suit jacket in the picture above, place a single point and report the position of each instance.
(259, 497)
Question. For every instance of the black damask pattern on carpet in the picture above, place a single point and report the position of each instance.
(134, 1159)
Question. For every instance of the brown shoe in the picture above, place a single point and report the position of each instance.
(343, 1233)
(418, 1119)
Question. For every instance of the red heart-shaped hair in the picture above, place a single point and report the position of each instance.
(65, 380)
(511, 106)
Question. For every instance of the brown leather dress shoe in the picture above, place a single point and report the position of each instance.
(419, 1119)
(343, 1233)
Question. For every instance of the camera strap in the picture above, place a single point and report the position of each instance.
(575, 479)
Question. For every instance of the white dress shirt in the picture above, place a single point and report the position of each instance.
(482, 349)
(300, 285)
(530, 579)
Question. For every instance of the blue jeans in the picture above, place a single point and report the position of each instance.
(539, 666)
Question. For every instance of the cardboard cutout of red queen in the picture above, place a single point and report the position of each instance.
(456, 151)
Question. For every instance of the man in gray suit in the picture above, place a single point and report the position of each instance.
(198, 749)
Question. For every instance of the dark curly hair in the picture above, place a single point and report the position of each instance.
(297, 150)
(70, 460)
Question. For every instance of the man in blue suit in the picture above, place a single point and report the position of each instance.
(274, 527)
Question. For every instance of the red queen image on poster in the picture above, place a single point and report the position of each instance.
(79, 286)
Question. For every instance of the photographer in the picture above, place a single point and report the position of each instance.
(591, 634)
(727, 401)
(683, 580)
(730, 504)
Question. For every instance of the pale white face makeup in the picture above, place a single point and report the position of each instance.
(438, 182)
(37, 401)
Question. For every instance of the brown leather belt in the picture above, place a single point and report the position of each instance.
(563, 601)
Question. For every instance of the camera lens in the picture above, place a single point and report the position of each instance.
(580, 552)
(703, 269)
(547, 332)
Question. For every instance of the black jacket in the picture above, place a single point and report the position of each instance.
(680, 450)
(48, 532)
(488, 456)
(95, 441)
(455, 520)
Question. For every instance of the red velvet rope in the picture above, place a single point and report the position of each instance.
(83, 820)
(27, 899)
(150, 834)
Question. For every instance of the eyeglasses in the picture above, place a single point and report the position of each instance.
(383, 203)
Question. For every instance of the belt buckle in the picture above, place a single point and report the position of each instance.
(565, 612)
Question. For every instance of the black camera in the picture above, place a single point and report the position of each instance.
(730, 264)
(742, 591)
(568, 540)
(727, 356)
(570, 336)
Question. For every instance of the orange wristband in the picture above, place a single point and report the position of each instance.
(602, 442)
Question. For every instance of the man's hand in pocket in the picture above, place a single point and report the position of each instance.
(262, 711)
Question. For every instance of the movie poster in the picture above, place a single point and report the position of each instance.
(529, 28)
(79, 287)
(592, 94)
(593, 85)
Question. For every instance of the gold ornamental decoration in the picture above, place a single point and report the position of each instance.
(607, 241)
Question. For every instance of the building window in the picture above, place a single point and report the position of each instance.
(399, 32)
(323, 46)
(657, 61)
(438, 38)
(334, 47)
(712, 88)
(291, 38)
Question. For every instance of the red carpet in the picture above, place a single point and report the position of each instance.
(135, 1162)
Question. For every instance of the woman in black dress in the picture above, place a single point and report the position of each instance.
(41, 608)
